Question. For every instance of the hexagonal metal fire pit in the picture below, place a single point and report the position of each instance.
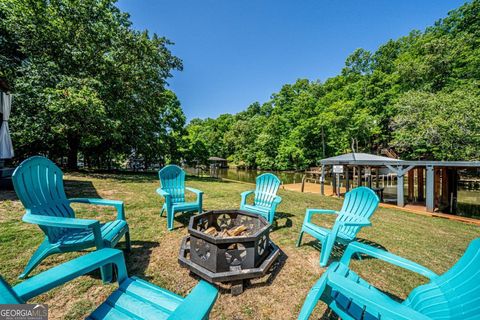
(228, 246)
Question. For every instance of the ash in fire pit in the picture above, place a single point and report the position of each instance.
(228, 245)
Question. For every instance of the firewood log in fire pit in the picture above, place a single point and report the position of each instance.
(232, 232)
(211, 231)
(235, 231)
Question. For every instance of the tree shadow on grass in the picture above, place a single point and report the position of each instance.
(183, 218)
(280, 216)
(80, 188)
(125, 176)
(329, 315)
(139, 258)
(339, 249)
(73, 188)
(8, 195)
(272, 272)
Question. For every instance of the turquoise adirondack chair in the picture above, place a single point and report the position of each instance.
(452, 295)
(358, 206)
(38, 183)
(134, 299)
(265, 200)
(172, 189)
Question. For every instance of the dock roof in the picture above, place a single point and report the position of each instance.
(366, 159)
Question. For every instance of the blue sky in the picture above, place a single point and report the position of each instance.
(238, 52)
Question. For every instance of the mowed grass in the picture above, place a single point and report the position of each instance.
(433, 242)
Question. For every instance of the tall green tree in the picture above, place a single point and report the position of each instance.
(417, 94)
(85, 81)
(438, 126)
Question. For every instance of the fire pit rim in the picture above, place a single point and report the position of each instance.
(234, 239)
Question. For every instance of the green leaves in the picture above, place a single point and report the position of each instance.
(438, 126)
(418, 94)
(85, 81)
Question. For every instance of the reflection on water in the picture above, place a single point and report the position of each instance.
(244, 175)
(286, 177)
(468, 199)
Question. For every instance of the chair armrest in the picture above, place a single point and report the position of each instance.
(387, 307)
(103, 202)
(357, 247)
(70, 270)
(163, 193)
(359, 223)
(197, 304)
(167, 196)
(196, 191)
(73, 223)
(311, 212)
(61, 222)
(244, 195)
(277, 200)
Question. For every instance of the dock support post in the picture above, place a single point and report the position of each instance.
(369, 177)
(436, 189)
(347, 178)
(400, 197)
(359, 176)
(411, 186)
(420, 183)
(322, 181)
(430, 189)
(334, 184)
(444, 197)
(400, 171)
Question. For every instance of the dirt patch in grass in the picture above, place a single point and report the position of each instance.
(435, 243)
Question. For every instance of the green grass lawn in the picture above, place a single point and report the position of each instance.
(433, 242)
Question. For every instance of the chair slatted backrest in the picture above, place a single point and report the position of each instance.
(172, 180)
(267, 185)
(38, 183)
(456, 293)
(359, 204)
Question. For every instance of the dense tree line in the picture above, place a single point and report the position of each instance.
(418, 95)
(86, 83)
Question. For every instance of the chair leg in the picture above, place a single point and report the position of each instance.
(271, 217)
(312, 298)
(43, 251)
(170, 215)
(327, 247)
(299, 241)
(161, 211)
(359, 256)
(107, 273)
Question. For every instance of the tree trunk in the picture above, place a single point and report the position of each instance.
(73, 146)
(323, 143)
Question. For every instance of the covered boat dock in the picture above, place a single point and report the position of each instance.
(433, 184)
